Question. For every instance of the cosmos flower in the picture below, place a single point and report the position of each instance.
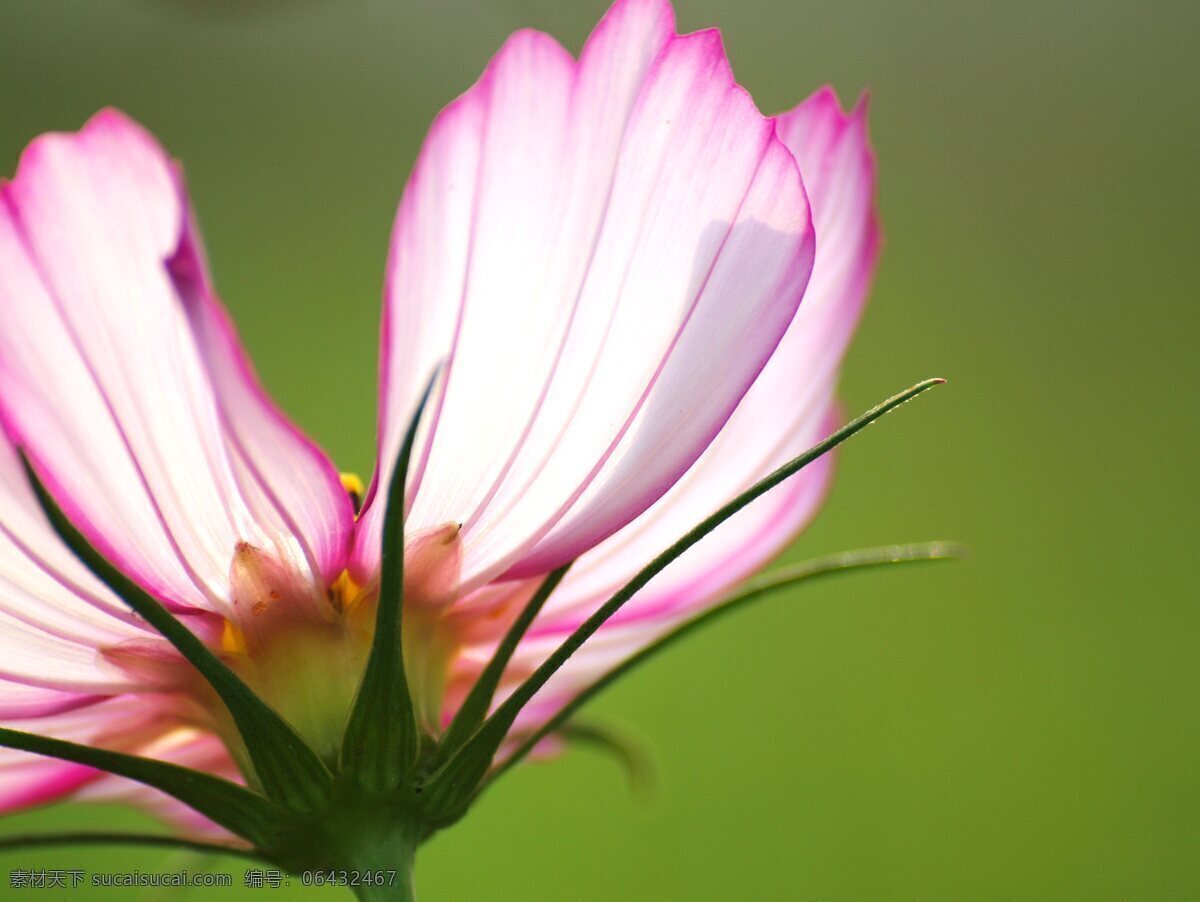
(635, 291)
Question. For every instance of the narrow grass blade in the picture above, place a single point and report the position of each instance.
(475, 707)
(236, 809)
(765, 585)
(380, 743)
(450, 788)
(290, 772)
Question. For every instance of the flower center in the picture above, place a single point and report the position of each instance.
(299, 647)
(303, 649)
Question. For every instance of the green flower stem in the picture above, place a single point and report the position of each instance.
(392, 861)
(364, 842)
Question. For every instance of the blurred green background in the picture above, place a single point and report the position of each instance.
(1023, 725)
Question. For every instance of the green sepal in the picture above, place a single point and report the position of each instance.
(380, 743)
(633, 758)
(289, 772)
(152, 840)
(449, 790)
(236, 809)
(475, 707)
(843, 562)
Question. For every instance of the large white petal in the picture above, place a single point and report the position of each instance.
(286, 480)
(131, 724)
(185, 747)
(604, 254)
(108, 365)
(790, 408)
(55, 617)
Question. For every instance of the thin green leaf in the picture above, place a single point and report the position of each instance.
(289, 771)
(236, 809)
(786, 577)
(380, 743)
(50, 840)
(633, 759)
(475, 707)
(450, 788)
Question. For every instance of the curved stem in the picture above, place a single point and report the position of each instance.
(234, 807)
(842, 562)
(450, 789)
(473, 711)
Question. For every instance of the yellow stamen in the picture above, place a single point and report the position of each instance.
(233, 639)
(355, 488)
(345, 591)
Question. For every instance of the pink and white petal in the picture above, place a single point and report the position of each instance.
(21, 702)
(701, 577)
(101, 379)
(183, 821)
(491, 243)
(764, 262)
(286, 480)
(510, 324)
(600, 654)
(730, 554)
(42, 584)
(186, 747)
(27, 780)
(32, 657)
(55, 617)
(420, 304)
(834, 152)
(610, 289)
(31, 781)
(639, 391)
(789, 409)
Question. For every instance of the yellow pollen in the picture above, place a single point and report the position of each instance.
(355, 488)
(346, 591)
(233, 639)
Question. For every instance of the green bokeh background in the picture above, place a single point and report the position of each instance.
(1023, 725)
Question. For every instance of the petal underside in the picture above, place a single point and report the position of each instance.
(123, 382)
(790, 407)
(602, 255)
